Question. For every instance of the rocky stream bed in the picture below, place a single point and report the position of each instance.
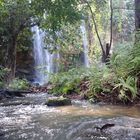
(28, 118)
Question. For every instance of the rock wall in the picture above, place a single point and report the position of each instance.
(25, 65)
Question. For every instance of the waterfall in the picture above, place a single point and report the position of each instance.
(44, 60)
(85, 44)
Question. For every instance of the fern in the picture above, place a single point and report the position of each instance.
(127, 85)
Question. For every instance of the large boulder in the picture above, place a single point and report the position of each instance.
(58, 101)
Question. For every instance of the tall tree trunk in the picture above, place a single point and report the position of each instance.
(137, 14)
(111, 28)
(106, 55)
(137, 21)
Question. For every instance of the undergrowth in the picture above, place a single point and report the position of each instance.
(3, 75)
(19, 84)
(120, 77)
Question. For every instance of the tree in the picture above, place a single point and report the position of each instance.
(17, 15)
(106, 49)
(137, 14)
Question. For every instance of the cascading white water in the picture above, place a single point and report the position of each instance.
(85, 44)
(44, 60)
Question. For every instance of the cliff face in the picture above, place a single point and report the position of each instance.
(25, 65)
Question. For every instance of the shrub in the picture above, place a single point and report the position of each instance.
(125, 63)
(65, 82)
(19, 84)
(125, 60)
(127, 88)
(120, 60)
(75, 80)
(135, 61)
(3, 74)
(119, 76)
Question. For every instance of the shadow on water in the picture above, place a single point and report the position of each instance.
(35, 121)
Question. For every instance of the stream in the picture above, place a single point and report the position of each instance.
(27, 118)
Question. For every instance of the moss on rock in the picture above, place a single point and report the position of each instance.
(58, 101)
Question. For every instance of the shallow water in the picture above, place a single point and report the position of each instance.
(29, 119)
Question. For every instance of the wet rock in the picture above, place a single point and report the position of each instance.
(93, 101)
(58, 101)
(36, 84)
(1, 134)
(15, 93)
(12, 93)
(15, 103)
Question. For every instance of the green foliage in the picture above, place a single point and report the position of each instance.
(59, 12)
(18, 16)
(66, 82)
(101, 79)
(120, 59)
(127, 88)
(94, 79)
(3, 73)
(68, 35)
(24, 41)
(135, 53)
(68, 43)
(59, 18)
(123, 19)
(119, 77)
(125, 63)
(19, 84)
(125, 60)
